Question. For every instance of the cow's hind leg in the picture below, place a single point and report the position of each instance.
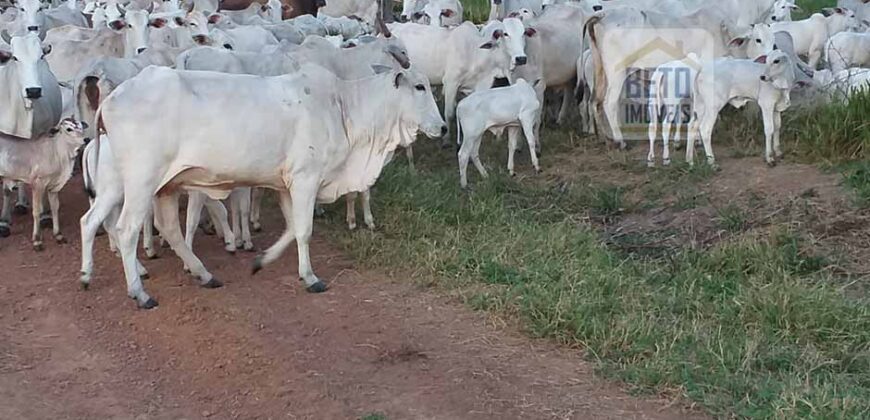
(21, 206)
(170, 228)
(148, 236)
(367, 209)
(286, 238)
(303, 195)
(129, 224)
(90, 223)
(218, 213)
(256, 201)
(350, 210)
(240, 203)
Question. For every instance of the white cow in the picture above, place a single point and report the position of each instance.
(367, 10)
(670, 94)
(244, 38)
(614, 48)
(767, 80)
(782, 11)
(129, 36)
(500, 9)
(438, 12)
(513, 107)
(460, 58)
(236, 62)
(35, 16)
(331, 138)
(99, 77)
(844, 83)
(29, 92)
(811, 34)
(847, 49)
(45, 163)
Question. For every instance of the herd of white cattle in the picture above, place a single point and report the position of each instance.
(187, 98)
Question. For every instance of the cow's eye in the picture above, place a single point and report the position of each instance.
(15, 58)
(776, 61)
(757, 40)
(420, 87)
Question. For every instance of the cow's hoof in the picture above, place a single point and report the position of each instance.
(84, 285)
(258, 264)
(45, 222)
(149, 304)
(318, 287)
(144, 276)
(351, 226)
(212, 284)
(151, 254)
(257, 228)
(539, 171)
(21, 209)
(60, 239)
(4, 231)
(650, 163)
(513, 174)
(249, 247)
(37, 246)
(230, 248)
(666, 162)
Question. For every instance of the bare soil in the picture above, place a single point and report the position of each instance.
(261, 347)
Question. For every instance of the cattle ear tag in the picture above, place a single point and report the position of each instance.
(398, 79)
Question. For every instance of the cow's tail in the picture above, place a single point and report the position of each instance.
(88, 176)
(90, 189)
(87, 97)
(181, 60)
(656, 100)
(600, 85)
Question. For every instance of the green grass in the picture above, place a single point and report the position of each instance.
(751, 328)
(811, 6)
(373, 416)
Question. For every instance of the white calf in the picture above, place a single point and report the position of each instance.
(512, 107)
(848, 49)
(811, 34)
(767, 81)
(670, 90)
(45, 163)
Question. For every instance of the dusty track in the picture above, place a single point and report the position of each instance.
(263, 348)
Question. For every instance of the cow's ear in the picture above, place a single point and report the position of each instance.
(827, 11)
(496, 34)
(380, 68)
(840, 10)
(158, 23)
(398, 79)
(5, 56)
(215, 18)
(447, 12)
(736, 42)
(530, 32)
(179, 21)
(46, 49)
(487, 46)
(761, 59)
(53, 132)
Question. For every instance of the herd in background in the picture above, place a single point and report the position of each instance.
(310, 98)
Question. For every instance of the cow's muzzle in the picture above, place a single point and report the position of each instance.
(521, 61)
(200, 39)
(33, 29)
(597, 8)
(33, 93)
(140, 50)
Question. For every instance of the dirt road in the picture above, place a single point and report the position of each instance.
(261, 347)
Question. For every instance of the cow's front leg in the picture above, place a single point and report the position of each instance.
(303, 195)
(450, 92)
(54, 205)
(38, 192)
(286, 238)
(6, 213)
(170, 229)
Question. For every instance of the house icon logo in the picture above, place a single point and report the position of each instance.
(654, 47)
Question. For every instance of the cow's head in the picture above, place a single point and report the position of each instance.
(136, 26)
(759, 40)
(433, 14)
(515, 34)
(399, 53)
(197, 23)
(781, 11)
(522, 14)
(408, 9)
(71, 133)
(417, 102)
(778, 70)
(31, 16)
(27, 54)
